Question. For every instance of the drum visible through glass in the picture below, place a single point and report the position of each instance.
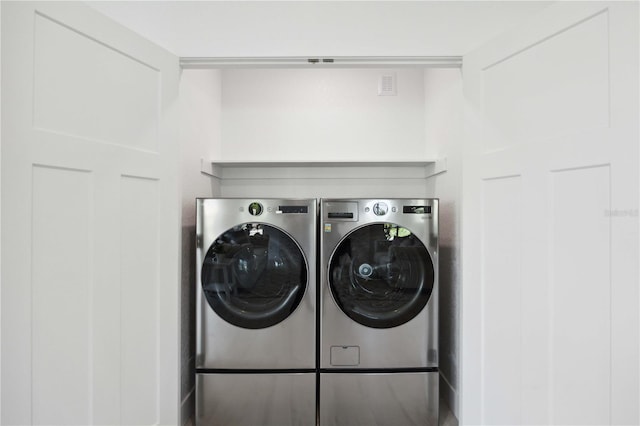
(381, 275)
(254, 275)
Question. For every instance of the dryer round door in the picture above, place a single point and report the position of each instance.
(254, 275)
(381, 275)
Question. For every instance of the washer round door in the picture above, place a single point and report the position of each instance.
(254, 275)
(381, 275)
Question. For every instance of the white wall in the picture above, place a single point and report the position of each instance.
(321, 115)
(331, 115)
(443, 121)
(199, 139)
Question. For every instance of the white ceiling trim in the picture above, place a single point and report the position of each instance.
(322, 61)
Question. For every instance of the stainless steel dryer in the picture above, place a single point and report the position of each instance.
(378, 296)
(255, 312)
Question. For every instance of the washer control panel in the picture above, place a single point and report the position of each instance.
(382, 208)
(348, 210)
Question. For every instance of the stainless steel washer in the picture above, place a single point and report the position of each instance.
(378, 296)
(255, 312)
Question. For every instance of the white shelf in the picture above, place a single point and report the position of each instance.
(410, 169)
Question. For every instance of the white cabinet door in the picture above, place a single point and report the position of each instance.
(90, 221)
(550, 221)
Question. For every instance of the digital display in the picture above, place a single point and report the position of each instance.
(293, 209)
(416, 209)
(340, 215)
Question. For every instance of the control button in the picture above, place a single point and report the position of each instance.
(394, 209)
(255, 209)
(366, 209)
(380, 209)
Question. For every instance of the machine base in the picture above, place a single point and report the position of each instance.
(250, 399)
(377, 399)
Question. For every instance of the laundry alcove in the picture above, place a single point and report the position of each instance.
(531, 146)
(289, 128)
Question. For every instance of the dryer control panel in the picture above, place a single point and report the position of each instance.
(256, 209)
(292, 209)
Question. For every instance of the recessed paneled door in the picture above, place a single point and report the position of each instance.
(90, 221)
(550, 221)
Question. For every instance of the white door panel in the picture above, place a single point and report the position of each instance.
(90, 221)
(550, 221)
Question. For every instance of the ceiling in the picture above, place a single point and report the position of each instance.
(318, 28)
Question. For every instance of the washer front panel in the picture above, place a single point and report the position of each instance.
(366, 247)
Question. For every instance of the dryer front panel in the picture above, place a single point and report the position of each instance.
(255, 284)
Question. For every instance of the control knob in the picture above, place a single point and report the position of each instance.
(380, 209)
